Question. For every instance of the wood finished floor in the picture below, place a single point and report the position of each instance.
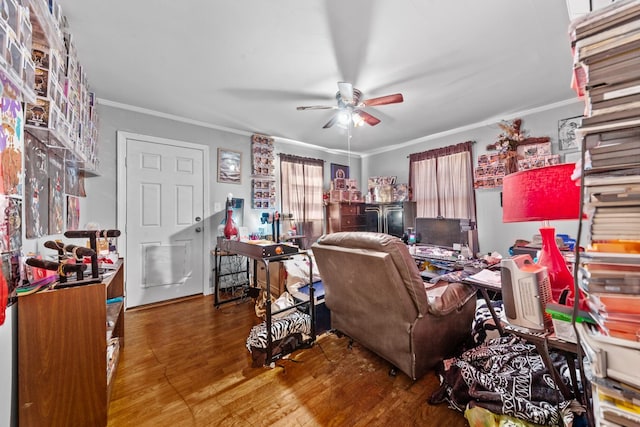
(186, 364)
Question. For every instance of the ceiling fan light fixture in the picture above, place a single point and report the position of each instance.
(357, 120)
(351, 108)
(344, 117)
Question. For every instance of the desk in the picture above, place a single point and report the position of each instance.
(265, 253)
(484, 289)
(544, 341)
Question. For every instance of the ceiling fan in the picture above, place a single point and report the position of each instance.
(351, 107)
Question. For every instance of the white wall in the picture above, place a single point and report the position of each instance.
(100, 203)
(493, 234)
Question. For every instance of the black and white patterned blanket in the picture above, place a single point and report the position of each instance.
(505, 375)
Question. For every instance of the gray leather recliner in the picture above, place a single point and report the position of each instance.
(377, 297)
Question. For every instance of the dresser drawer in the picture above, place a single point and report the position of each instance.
(353, 220)
(350, 209)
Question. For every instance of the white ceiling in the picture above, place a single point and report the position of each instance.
(246, 64)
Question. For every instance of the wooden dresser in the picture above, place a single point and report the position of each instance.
(346, 216)
(68, 348)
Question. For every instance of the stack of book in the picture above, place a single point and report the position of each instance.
(614, 208)
(606, 46)
(617, 154)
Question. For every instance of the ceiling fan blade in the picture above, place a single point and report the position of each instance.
(317, 107)
(383, 100)
(368, 118)
(331, 122)
(346, 92)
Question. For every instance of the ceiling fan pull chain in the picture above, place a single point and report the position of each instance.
(349, 144)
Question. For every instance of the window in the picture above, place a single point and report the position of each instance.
(301, 180)
(442, 182)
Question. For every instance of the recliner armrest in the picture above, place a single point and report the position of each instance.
(454, 297)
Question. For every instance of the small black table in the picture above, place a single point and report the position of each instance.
(267, 252)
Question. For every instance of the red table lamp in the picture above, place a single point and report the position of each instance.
(545, 194)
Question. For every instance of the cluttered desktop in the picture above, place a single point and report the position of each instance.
(444, 250)
(444, 246)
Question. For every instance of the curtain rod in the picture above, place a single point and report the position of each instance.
(447, 147)
(293, 156)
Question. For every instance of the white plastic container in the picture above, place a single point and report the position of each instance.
(611, 357)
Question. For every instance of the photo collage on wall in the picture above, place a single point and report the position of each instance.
(263, 191)
(533, 156)
(490, 171)
(491, 168)
(11, 182)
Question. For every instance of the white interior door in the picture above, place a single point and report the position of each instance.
(165, 199)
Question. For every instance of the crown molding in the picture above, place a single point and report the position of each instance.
(289, 141)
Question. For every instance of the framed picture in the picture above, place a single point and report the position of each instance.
(339, 171)
(567, 133)
(229, 166)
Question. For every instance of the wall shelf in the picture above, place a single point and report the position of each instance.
(45, 29)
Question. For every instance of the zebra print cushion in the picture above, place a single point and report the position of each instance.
(296, 322)
(483, 324)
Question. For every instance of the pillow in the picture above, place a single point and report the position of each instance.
(297, 270)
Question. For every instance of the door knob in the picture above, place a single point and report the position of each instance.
(198, 219)
(198, 229)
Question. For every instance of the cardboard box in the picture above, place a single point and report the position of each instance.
(41, 83)
(277, 278)
(25, 36)
(29, 73)
(13, 15)
(39, 113)
(15, 58)
(40, 56)
(4, 40)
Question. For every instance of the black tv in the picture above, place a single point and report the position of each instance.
(444, 232)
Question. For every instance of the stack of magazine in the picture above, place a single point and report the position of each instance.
(606, 46)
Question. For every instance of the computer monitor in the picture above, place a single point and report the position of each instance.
(446, 232)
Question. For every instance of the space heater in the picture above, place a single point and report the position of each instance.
(526, 291)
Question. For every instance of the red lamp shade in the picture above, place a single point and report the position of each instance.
(544, 194)
(541, 194)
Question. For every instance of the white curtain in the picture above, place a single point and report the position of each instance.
(292, 178)
(442, 182)
(301, 187)
(425, 191)
(454, 176)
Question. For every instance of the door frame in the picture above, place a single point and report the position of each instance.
(121, 190)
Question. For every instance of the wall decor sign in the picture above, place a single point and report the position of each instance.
(229, 166)
(263, 182)
(567, 133)
(339, 171)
